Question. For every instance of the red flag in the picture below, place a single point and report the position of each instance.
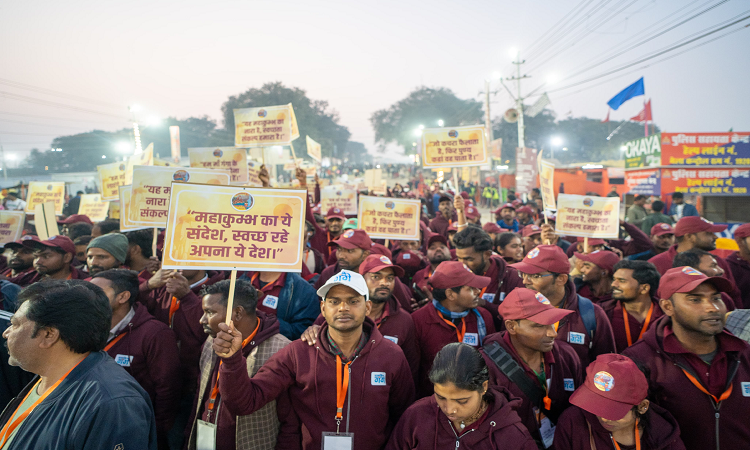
(606, 120)
(645, 114)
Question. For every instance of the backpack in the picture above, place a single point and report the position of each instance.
(588, 316)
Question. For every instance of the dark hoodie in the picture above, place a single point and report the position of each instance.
(151, 348)
(380, 388)
(613, 309)
(402, 292)
(503, 279)
(572, 431)
(424, 426)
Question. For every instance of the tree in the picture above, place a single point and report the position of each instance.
(314, 117)
(356, 152)
(424, 106)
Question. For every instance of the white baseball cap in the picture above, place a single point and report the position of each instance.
(346, 278)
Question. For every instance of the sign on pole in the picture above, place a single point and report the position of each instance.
(111, 177)
(93, 206)
(313, 149)
(235, 228)
(46, 191)
(227, 158)
(268, 125)
(145, 158)
(11, 225)
(454, 147)
(125, 224)
(174, 140)
(546, 171)
(338, 197)
(389, 218)
(588, 216)
(45, 220)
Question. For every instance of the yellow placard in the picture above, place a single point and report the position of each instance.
(111, 177)
(45, 220)
(93, 206)
(338, 197)
(226, 158)
(389, 218)
(125, 224)
(268, 125)
(253, 169)
(588, 216)
(546, 171)
(149, 202)
(114, 210)
(163, 163)
(313, 149)
(11, 225)
(454, 147)
(373, 178)
(145, 158)
(46, 191)
(235, 228)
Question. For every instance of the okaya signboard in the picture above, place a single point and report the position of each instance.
(643, 152)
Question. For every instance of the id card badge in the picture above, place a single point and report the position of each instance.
(340, 441)
(546, 429)
(206, 439)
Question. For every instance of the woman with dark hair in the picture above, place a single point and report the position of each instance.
(464, 412)
(611, 412)
(510, 247)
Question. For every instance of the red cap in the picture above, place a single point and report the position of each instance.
(613, 385)
(409, 261)
(453, 226)
(335, 213)
(524, 303)
(380, 249)
(19, 243)
(604, 259)
(353, 239)
(502, 207)
(695, 224)
(516, 202)
(62, 242)
(451, 274)
(75, 218)
(465, 195)
(472, 213)
(436, 238)
(445, 198)
(593, 242)
(544, 258)
(660, 229)
(685, 279)
(531, 229)
(525, 209)
(376, 263)
(742, 231)
(492, 227)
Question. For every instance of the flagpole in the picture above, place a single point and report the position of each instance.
(645, 118)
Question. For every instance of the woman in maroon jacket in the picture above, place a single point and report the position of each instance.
(464, 412)
(612, 412)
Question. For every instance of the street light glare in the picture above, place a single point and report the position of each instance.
(440, 122)
(552, 78)
(134, 108)
(623, 148)
(421, 127)
(557, 140)
(513, 52)
(418, 132)
(124, 147)
(104, 156)
(496, 75)
(153, 121)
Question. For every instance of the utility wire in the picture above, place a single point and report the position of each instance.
(24, 98)
(41, 90)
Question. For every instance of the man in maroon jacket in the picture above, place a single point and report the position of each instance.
(143, 346)
(351, 249)
(53, 259)
(437, 252)
(551, 367)
(545, 270)
(739, 263)
(634, 307)
(352, 381)
(697, 370)
(597, 270)
(691, 232)
(453, 316)
(20, 261)
(445, 216)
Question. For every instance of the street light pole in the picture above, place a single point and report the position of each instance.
(519, 99)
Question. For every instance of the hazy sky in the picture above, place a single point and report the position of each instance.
(184, 58)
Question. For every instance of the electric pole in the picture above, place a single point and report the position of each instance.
(519, 99)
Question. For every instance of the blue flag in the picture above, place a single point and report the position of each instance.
(634, 90)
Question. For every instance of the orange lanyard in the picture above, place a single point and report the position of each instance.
(697, 384)
(263, 289)
(643, 328)
(11, 426)
(481, 294)
(113, 342)
(341, 387)
(637, 438)
(461, 333)
(215, 390)
(174, 306)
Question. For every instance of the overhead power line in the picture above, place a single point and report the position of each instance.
(12, 96)
(41, 90)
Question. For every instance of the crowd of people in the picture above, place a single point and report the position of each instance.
(485, 333)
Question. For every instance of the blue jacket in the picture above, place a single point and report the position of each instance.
(12, 378)
(689, 210)
(298, 306)
(98, 406)
(514, 227)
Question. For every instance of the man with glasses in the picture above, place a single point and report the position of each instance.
(545, 270)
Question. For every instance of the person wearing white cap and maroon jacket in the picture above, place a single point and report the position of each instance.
(697, 370)
(453, 316)
(353, 380)
(612, 412)
(597, 269)
(531, 363)
(739, 263)
(545, 270)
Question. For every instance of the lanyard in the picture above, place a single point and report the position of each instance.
(643, 328)
(174, 305)
(637, 438)
(481, 294)
(264, 288)
(11, 426)
(341, 387)
(697, 384)
(114, 341)
(461, 333)
(215, 390)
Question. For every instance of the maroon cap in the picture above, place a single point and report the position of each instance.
(353, 239)
(409, 261)
(19, 243)
(472, 213)
(445, 198)
(516, 202)
(453, 226)
(62, 242)
(502, 207)
(531, 229)
(524, 303)
(660, 229)
(436, 238)
(685, 279)
(335, 213)
(525, 209)
(544, 258)
(380, 249)
(376, 263)
(613, 385)
(604, 259)
(695, 224)
(593, 242)
(451, 274)
(742, 231)
(465, 195)
(492, 227)
(75, 218)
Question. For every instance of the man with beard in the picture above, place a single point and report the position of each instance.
(20, 260)
(53, 257)
(634, 307)
(106, 252)
(662, 238)
(351, 249)
(505, 216)
(597, 269)
(697, 370)
(445, 217)
(437, 252)
(707, 263)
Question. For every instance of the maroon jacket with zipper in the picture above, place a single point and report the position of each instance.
(424, 426)
(151, 348)
(703, 426)
(613, 308)
(572, 432)
(402, 292)
(503, 279)
(380, 388)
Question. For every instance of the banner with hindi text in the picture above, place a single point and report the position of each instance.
(125, 224)
(227, 158)
(268, 125)
(111, 177)
(588, 216)
(546, 182)
(145, 158)
(40, 192)
(337, 197)
(11, 226)
(389, 218)
(454, 147)
(94, 207)
(313, 149)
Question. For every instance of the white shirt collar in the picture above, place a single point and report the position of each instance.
(121, 324)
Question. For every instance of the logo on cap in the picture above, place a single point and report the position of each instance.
(533, 253)
(342, 276)
(470, 210)
(467, 268)
(52, 238)
(690, 271)
(384, 259)
(542, 299)
(28, 237)
(664, 226)
(348, 233)
(242, 201)
(604, 381)
(336, 210)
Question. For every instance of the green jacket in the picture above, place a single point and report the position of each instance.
(654, 218)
